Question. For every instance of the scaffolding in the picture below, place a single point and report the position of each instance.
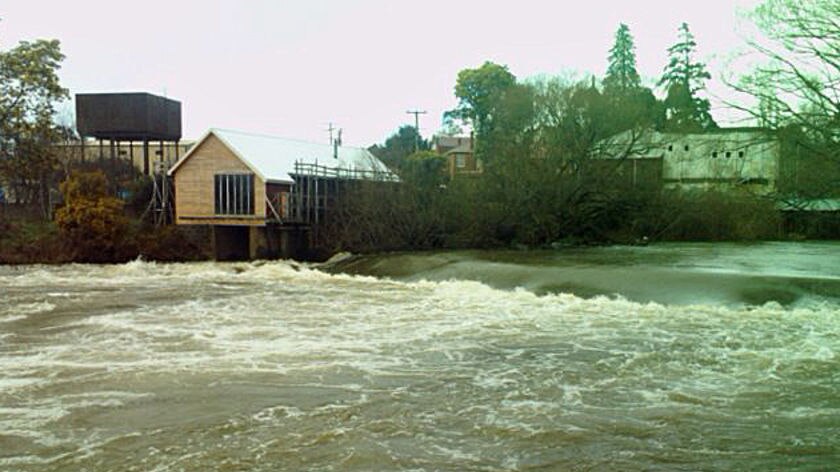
(160, 204)
(318, 187)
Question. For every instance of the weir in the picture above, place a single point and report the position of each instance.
(279, 366)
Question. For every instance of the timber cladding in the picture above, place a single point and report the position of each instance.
(194, 186)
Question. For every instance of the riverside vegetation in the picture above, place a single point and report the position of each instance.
(536, 138)
(93, 226)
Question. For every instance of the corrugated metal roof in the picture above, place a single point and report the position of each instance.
(273, 158)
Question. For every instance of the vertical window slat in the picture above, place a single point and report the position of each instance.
(227, 195)
(233, 194)
(217, 206)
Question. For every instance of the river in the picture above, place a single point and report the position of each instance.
(666, 357)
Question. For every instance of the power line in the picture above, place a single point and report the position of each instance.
(331, 128)
(417, 114)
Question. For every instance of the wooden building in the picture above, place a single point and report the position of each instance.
(261, 194)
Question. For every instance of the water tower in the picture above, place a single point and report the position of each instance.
(129, 117)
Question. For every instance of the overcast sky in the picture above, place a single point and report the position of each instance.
(289, 68)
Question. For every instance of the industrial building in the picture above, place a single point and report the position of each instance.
(727, 159)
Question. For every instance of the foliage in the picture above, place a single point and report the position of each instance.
(683, 79)
(168, 244)
(399, 146)
(27, 240)
(631, 105)
(425, 169)
(510, 133)
(714, 216)
(480, 93)
(29, 89)
(91, 222)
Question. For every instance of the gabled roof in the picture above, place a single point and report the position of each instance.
(273, 159)
(462, 149)
(447, 143)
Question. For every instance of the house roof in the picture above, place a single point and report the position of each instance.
(273, 158)
(445, 143)
(465, 148)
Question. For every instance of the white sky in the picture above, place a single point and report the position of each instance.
(290, 67)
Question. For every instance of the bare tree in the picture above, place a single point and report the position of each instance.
(796, 87)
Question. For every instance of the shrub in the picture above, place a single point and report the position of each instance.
(91, 222)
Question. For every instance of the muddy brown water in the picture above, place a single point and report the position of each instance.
(675, 357)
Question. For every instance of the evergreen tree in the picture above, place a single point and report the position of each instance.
(632, 105)
(622, 76)
(683, 79)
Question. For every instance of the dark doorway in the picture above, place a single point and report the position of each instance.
(231, 243)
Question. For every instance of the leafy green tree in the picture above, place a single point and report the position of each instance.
(425, 169)
(480, 93)
(511, 135)
(29, 90)
(399, 146)
(683, 79)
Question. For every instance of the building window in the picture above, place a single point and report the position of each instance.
(234, 194)
(460, 161)
(686, 147)
(670, 147)
(728, 154)
(740, 153)
(714, 154)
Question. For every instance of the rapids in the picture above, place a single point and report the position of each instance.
(652, 359)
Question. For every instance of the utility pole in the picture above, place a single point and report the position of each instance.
(417, 114)
(331, 129)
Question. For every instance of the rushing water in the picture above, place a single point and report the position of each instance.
(443, 365)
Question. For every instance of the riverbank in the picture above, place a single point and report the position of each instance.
(35, 241)
(29, 239)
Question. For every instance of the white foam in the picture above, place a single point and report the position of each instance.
(508, 359)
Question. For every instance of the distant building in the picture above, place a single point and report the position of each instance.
(724, 159)
(242, 183)
(459, 154)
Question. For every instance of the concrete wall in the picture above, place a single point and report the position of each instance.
(241, 243)
(713, 160)
(231, 243)
(278, 242)
(727, 159)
